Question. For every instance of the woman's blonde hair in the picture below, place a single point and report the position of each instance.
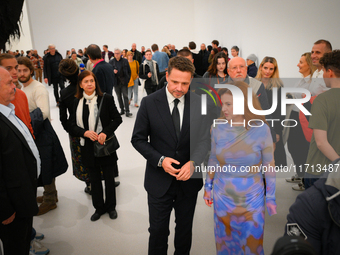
(275, 81)
(308, 57)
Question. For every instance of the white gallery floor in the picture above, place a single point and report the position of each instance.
(68, 229)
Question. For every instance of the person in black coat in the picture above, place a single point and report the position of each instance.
(251, 65)
(69, 69)
(149, 71)
(83, 121)
(51, 73)
(102, 70)
(122, 71)
(172, 148)
(18, 175)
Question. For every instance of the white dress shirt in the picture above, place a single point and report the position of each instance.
(318, 84)
(180, 105)
(106, 57)
(9, 113)
(304, 83)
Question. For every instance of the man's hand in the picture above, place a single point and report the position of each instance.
(46, 80)
(166, 164)
(149, 74)
(186, 171)
(91, 134)
(9, 220)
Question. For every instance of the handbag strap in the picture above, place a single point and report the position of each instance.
(98, 114)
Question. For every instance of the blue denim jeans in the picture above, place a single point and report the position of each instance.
(134, 89)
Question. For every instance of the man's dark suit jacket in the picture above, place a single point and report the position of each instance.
(18, 173)
(105, 76)
(154, 121)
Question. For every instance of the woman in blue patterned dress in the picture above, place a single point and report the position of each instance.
(241, 149)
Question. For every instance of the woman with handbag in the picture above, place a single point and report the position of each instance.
(94, 120)
(69, 69)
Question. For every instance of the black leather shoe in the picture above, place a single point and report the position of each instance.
(113, 215)
(95, 216)
(122, 113)
(128, 114)
(117, 183)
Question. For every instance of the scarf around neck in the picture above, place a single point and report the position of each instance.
(91, 101)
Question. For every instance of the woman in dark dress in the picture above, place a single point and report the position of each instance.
(88, 99)
(69, 69)
(268, 74)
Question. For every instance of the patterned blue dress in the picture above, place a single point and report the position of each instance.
(237, 157)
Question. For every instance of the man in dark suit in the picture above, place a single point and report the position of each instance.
(173, 136)
(19, 168)
(102, 70)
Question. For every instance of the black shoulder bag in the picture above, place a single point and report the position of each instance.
(110, 145)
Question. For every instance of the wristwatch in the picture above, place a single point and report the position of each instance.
(160, 162)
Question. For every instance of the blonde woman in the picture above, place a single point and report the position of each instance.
(133, 83)
(297, 143)
(268, 74)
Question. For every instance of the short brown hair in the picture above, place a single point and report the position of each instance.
(215, 42)
(327, 43)
(148, 51)
(67, 67)
(26, 62)
(184, 53)
(81, 77)
(154, 47)
(5, 56)
(192, 45)
(331, 60)
(182, 64)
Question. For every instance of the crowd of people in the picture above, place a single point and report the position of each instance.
(168, 119)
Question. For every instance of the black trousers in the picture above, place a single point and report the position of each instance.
(159, 217)
(97, 188)
(58, 82)
(16, 236)
(122, 94)
(298, 146)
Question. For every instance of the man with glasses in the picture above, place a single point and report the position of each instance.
(51, 71)
(122, 71)
(237, 70)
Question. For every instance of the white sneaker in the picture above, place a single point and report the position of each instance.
(299, 187)
(37, 248)
(294, 179)
(39, 236)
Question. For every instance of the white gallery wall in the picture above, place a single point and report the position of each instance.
(281, 29)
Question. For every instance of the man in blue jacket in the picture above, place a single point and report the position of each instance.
(162, 60)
